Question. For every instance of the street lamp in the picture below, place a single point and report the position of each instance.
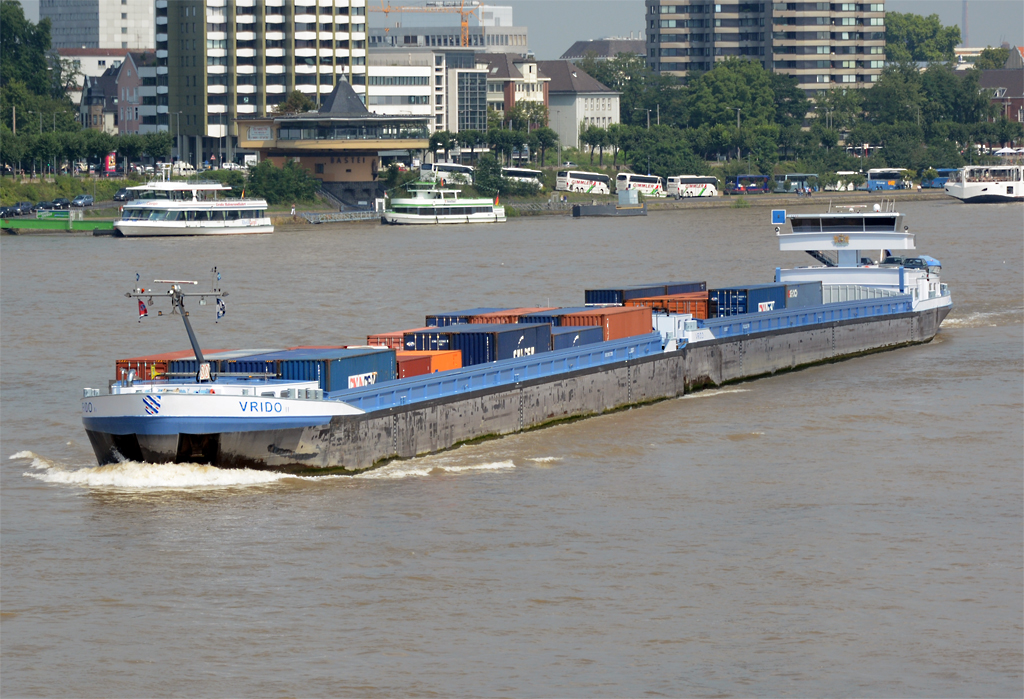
(737, 132)
(641, 109)
(177, 140)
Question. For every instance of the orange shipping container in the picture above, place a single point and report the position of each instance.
(509, 316)
(618, 321)
(695, 302)
(153, 366)
(392, 340)
(427, 362)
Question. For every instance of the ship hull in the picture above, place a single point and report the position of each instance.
(359, 441)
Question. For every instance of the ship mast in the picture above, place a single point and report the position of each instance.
(177, 296)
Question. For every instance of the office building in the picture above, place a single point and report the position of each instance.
(490, 28)
(100, 24)
(448, 86)
(822, 44)
(606, 49)
(225, 59)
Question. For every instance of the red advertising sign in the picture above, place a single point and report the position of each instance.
(110, 162)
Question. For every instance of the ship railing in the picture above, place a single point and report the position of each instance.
(506, 372)
(748, 323)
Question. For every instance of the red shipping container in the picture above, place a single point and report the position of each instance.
(695, 302)
(427, 362)
(618, 321)
(153, 366)
(392, 340)
(504, 317)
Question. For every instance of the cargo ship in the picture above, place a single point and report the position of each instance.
(488, 372)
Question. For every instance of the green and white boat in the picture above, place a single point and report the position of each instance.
(431, 204)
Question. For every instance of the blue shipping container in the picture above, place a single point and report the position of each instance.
(803, 294)
(756, 298)
(480, 344)
(440, 320)
(335, 369)
(553, 317)
(568, 336)
(619, 296)
(218, 361)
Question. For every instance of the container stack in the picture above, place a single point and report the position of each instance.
(440, 320)
(694, 303)
(152, 366)
(569, 336)
(617, 322)
(620, 295)
(428, 362)
(481, 344)
(334, 369)
(392, 340)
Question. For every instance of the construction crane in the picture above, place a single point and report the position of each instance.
(435, 6)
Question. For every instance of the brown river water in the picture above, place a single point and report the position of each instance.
(852, 529)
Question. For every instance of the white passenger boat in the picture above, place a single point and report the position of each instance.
(983, 184)
(190, 208)
(430, 204)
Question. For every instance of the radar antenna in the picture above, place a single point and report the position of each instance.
(177, 296)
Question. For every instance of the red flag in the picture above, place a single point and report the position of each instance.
(142, 310)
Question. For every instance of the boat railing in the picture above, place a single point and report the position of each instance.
(747, 323)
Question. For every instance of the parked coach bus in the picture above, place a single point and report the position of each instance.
(940, 179)
(888, 178)
(649, 185)
(451, 173)
(522, 174)
(587, 182)
(748, 184)
(682, 186)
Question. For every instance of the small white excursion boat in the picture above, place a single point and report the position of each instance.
(430, 204)
(190, 208)
(982, 184)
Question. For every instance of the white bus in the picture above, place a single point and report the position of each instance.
(692, 186)
(522, 174)
(649, 185)
(451, 173)
(587, 182)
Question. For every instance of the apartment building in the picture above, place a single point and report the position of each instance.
(225, 59)
(139, 105)
(448, 86)
(512, 79)
(577, 100)
(822, 44)
(98, 107)
(100, 24)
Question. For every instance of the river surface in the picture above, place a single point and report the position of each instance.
(852, 529)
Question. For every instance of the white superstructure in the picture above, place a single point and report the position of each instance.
(430, 204)
(981, 184)
(190, 208)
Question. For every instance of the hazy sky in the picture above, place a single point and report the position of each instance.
(555, 24)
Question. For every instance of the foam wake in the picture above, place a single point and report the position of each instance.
(418, 470)
(984, 319)
(713, 392)
(139, 475)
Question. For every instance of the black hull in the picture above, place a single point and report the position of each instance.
(354, 443)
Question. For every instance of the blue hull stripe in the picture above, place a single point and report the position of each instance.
(197, 425)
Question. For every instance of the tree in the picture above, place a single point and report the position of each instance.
(297, 102)
(23, 49)
(443, 140)
(992, 58)
(472, 139)
(281, 185)
(487, 174)
(157, 145)
(910, 37)
(896, 96)
(734, 83)
(791, 104)
(546, 138)
(129, 146)
(592, 136)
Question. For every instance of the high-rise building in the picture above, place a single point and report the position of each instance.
(225, 59)
(100, 24)
(822, 44)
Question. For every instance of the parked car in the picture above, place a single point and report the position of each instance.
(123, 194)
(61, 203)
(44, 206)
(82, 200)
(7, 212)
(24, 208)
